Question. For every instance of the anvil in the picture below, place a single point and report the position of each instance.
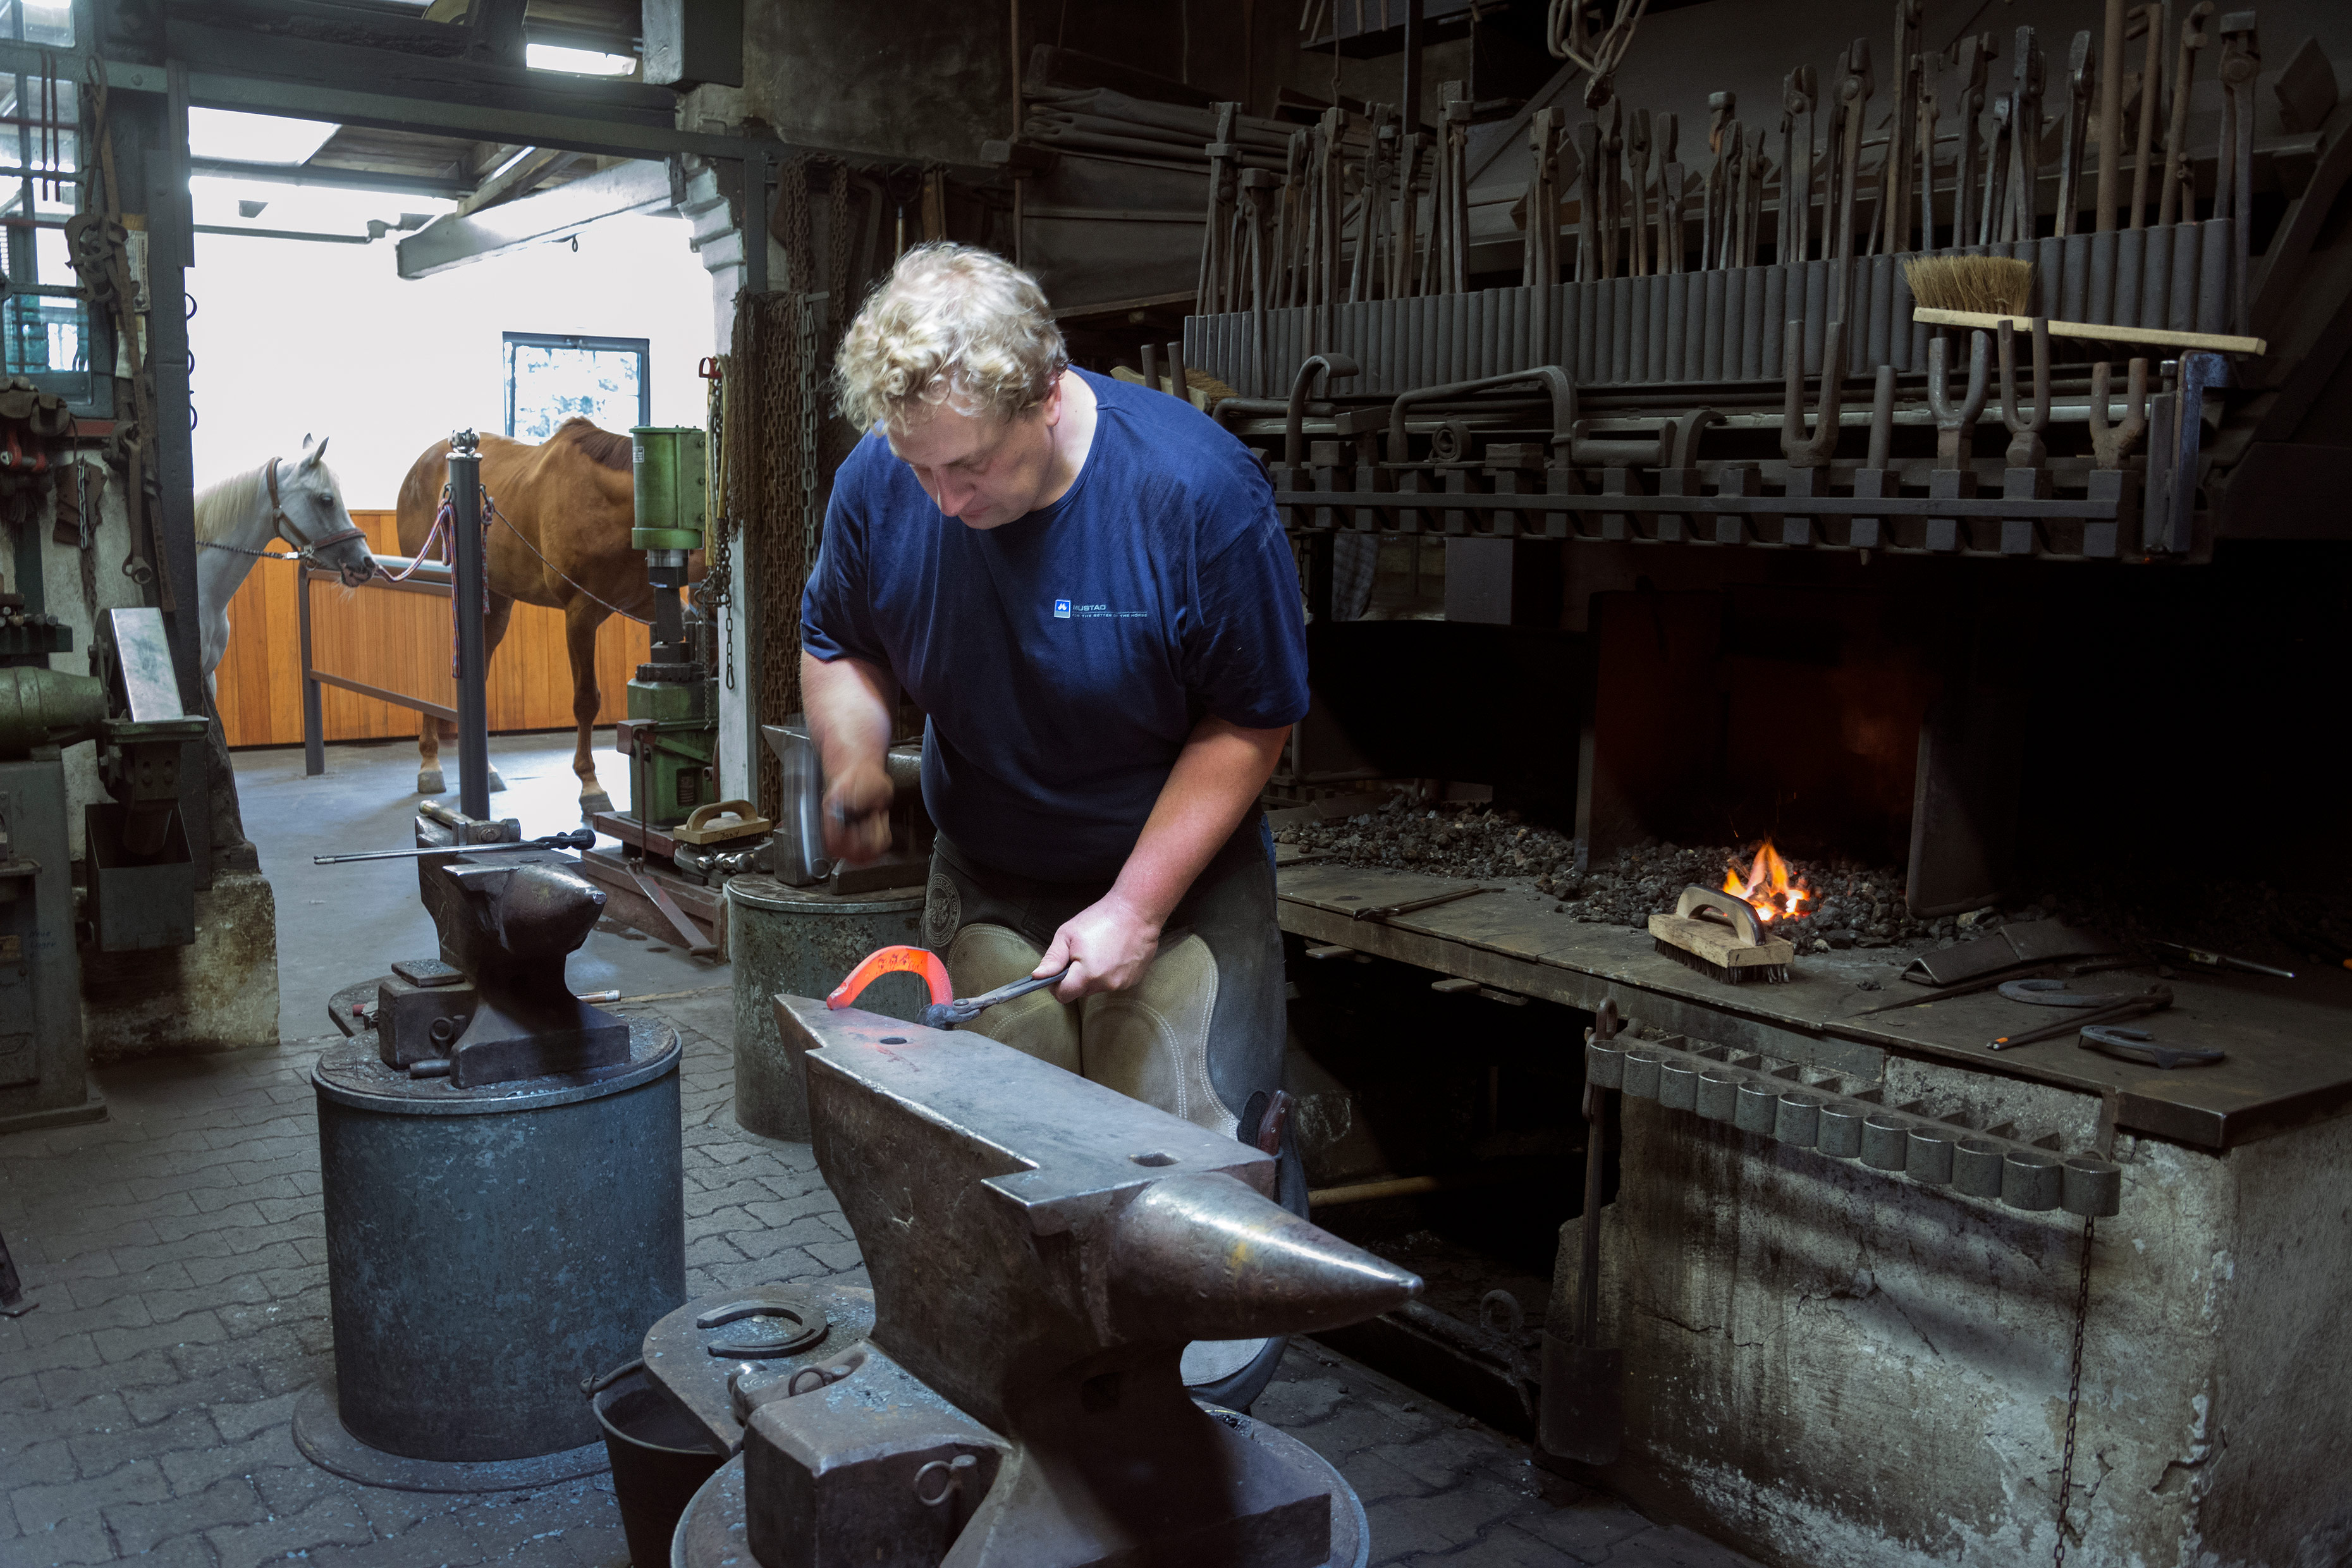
(1041, 1249)
(509, 927)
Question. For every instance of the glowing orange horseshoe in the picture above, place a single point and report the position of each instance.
(884, 960)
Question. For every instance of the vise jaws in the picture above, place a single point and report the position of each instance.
(496, 1008)
(1041, 1249)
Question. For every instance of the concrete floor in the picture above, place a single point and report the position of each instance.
(339, 924)
(176, 1255)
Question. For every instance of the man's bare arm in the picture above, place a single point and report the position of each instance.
(849, 703)
(1215, 783)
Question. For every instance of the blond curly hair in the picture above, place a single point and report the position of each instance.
(954, 326)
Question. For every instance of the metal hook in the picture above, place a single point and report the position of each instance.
(1955, 427)
(1801, 450)
(2025, 448)
(2113, 442)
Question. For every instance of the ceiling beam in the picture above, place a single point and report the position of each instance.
(456, 239)
(214, 87)
(532, 166)
(322, 174)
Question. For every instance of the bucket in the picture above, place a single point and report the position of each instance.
(660, 1455)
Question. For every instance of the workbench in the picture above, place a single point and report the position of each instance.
(2290, 1041)
(1825, 1364)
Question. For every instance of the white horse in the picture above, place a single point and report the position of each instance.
(297, 501)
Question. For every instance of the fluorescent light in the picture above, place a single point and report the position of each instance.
(227, 134)
(581, 62)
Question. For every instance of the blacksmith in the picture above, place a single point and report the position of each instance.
(1083, 585)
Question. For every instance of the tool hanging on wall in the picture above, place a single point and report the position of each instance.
(2178, 197)
(1799, 98)
(2233, 187)
(1892, 219)
(2027, 81)
(2073, 128)
(2148, 21)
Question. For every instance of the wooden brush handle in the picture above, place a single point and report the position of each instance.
(1737, 910)
(2158, 337)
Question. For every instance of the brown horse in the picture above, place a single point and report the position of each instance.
(565, 506)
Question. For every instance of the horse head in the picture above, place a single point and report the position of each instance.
(311, 516)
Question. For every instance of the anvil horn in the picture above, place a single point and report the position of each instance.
(1203, 1256)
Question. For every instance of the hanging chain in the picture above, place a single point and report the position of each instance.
(719, 560)
(2074, 1393)
(811, 526)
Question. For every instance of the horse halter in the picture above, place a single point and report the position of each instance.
(283, 526)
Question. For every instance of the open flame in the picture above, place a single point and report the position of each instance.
(1768, 886)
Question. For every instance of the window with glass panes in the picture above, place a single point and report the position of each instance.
(45, 329)
(550, 378)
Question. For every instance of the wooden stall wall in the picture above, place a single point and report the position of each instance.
(399, 641)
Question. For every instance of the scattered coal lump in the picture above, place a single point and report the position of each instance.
(1850, 905)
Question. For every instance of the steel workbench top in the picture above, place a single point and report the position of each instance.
(2289, 1041)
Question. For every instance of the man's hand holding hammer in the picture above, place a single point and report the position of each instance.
(849, 702)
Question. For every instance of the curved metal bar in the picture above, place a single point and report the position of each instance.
(2025, 448)
(2111, 443)
(1687, 431)
(1555, 382)
(1812, 451)
(1955, 425)
(1331, 367)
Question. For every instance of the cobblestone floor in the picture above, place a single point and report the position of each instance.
(175, 1251)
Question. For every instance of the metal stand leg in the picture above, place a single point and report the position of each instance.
(469, 585)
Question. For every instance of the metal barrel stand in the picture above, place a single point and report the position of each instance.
(801, 941)
(488, 1252)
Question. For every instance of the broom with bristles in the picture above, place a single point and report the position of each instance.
(1988, 285)
(1984, 291)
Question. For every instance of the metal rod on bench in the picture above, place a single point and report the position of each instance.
(466, 602)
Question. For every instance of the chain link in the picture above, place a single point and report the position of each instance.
(776, 450)
(2073, 1392)
(717, 588)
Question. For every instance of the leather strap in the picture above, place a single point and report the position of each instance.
(283, 526)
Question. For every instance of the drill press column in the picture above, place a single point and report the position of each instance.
(672, 732)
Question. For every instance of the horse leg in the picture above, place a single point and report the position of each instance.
(428, 755)
(433, 731)
(581, 619)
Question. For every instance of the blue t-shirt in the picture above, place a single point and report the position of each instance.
(1064, 657)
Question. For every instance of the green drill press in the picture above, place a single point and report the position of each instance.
(671, 735)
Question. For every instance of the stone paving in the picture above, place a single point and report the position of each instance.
(175, 1251)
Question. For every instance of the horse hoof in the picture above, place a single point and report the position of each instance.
(428, 782)
(591, 803)
(497, 784)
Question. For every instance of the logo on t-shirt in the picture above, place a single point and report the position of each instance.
(1061, 609)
